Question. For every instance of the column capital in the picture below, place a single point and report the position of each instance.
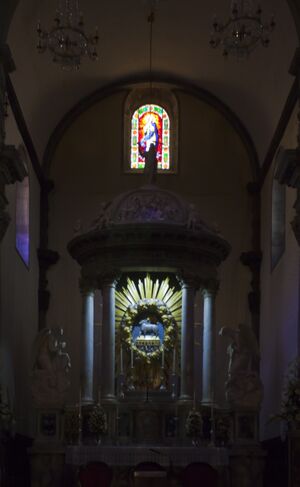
(188, 280)
(108, 279)
(87, 285)
(209, 287)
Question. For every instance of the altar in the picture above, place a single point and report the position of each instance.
(122, 456)
(172, 461)
(146, 397)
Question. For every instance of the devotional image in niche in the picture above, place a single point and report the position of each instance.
(150, 126)
(147, 317)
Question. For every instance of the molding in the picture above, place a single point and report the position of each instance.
(279, 132)
(12, 169)
(288, 168)
(22, 126)
(6, 59)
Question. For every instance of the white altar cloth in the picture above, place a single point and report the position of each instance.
(132, 455)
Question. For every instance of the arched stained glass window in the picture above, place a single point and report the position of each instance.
(150, 125)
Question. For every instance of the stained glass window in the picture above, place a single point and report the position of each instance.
(22, 219)
(150, 125)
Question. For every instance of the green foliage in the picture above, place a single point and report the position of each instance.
(97, 422)
(193, 425)
(71, 425)
(290, 404)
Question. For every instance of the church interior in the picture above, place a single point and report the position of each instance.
(150, 232)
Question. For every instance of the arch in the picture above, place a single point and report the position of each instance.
(175, 85)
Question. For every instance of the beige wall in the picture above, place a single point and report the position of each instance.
(279, 299)
(18, 303)
(87, 169)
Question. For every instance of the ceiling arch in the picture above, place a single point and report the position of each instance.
(128, 84)
(255, 90)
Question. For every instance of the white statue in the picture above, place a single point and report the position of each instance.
(243, 385)
(51, 366)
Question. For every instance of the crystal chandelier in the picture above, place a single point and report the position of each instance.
(67, 40)
(243, 31)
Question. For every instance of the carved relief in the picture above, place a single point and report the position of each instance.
(149, 206)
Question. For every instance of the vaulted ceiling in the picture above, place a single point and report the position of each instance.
(255, 89)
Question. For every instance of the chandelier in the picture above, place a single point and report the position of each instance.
(67, 40)
(243, 31)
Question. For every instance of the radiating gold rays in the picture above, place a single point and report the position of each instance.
(148, 289)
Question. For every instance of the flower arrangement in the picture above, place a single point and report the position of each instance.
(290, 404)
(71, 424)
(6, 417)
(97, 421)
(193, 425)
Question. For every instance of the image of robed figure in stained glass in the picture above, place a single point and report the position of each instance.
(150, 135)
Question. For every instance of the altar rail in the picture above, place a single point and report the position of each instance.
(130, 456)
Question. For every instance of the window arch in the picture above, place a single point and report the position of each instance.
(150, 125)
(278, 220)
(22, 214)
(151, 117)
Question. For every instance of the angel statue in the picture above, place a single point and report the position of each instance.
(50, 368)
(243, 385)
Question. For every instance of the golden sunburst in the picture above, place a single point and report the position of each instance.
(147, 289)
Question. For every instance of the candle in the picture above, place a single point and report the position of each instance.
(121, 360)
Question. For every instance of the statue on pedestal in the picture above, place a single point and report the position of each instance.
(50, 371)
(243, 386)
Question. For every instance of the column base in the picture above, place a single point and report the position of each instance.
(86, 401)
(185, 399)
(109, 399)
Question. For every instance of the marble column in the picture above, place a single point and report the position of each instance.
(87, 346)
(108, 339)
(187, 341)
(209, 358)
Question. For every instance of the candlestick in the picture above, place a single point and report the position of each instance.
(174, 361)
(121, 360)
(79, 419)
(79, 404)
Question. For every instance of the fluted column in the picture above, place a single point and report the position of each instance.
(209, 358)
(87, 345)
(187, 340)
(108, 339)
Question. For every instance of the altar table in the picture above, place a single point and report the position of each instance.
(118, 456)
